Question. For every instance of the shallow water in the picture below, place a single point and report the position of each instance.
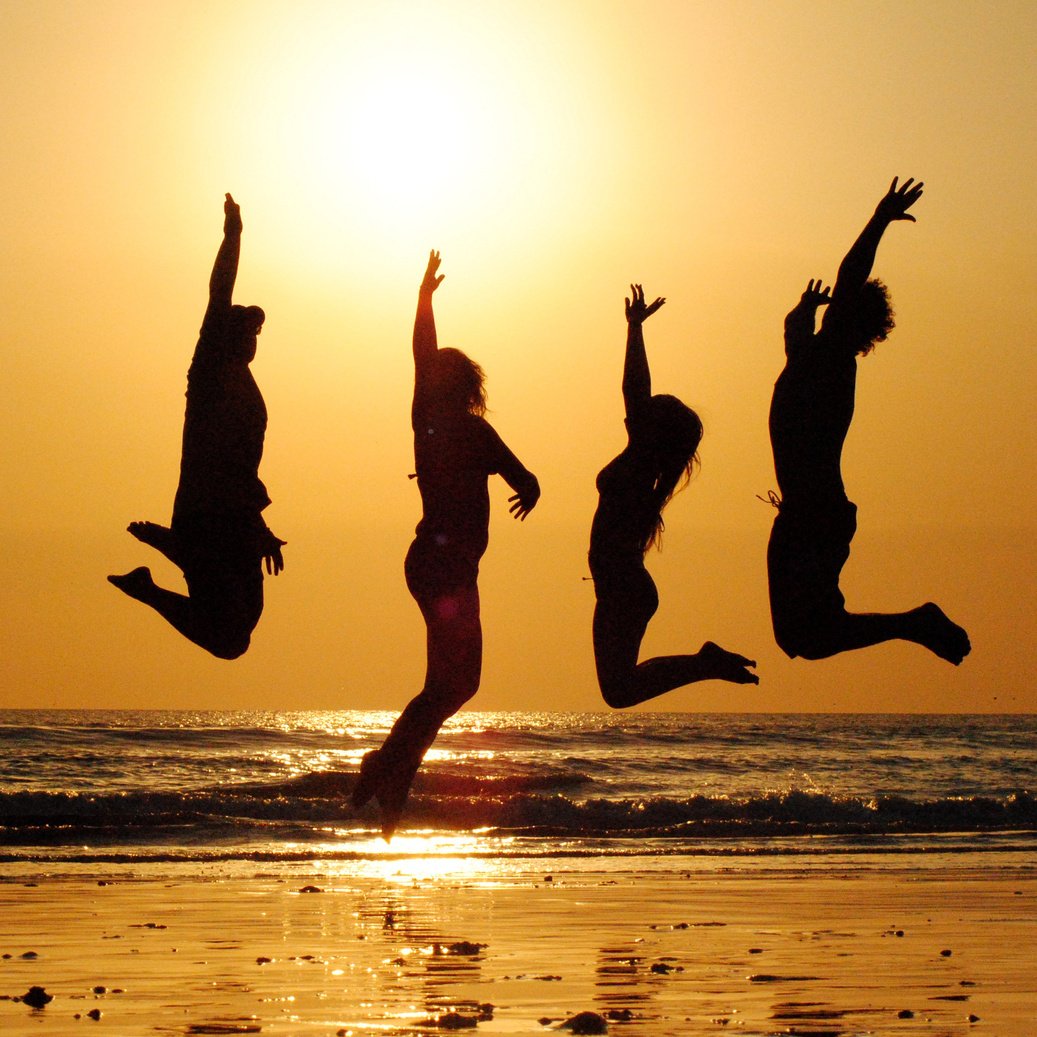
(124, 788)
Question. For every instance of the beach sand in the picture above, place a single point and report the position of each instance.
(837, 951)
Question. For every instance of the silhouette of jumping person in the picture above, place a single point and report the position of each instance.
(455, 451)
(663, 437)
(810, 415)
(217, 535)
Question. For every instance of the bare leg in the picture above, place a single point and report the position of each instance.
(454, 652)
(618, 632)
(926, 625)
(161, 538)
(223, 628)
(174, 608)
(804, 560)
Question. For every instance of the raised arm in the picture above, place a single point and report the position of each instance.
(637, 378)
(425, 342)
(855, 268)
(225, 269)
(799, 324)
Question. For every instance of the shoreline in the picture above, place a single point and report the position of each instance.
(826, 950)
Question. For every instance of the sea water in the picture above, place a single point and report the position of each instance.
(97, 790)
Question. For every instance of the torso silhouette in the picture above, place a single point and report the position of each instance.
(224, 428)
(627, 506)
(454, 455)
(811, 410)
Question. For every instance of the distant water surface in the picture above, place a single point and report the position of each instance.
(90, 789)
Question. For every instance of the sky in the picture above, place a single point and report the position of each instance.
(719, 153)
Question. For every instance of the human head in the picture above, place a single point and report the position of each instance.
(244, 326)
(873, 316)
(459, 381)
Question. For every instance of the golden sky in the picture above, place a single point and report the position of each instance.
(720, 153)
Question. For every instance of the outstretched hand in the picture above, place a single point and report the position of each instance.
(898, 200)
(430, 282)
(270, 551)
(815, 295)
(525, 501)
(637, 311)
(231, 214)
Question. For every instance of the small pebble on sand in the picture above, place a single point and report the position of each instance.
(586, 1023)
(36, 997)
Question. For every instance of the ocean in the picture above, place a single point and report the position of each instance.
(243, 792)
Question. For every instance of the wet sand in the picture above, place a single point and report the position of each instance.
(836, 952)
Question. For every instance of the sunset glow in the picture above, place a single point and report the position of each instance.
(721, 154)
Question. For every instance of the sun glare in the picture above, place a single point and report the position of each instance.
(419, 132)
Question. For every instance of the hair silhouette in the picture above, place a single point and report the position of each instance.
(663, 436)
(455, 452)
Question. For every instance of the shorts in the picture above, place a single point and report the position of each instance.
(809, 545)
(436, 567)
(627, 585)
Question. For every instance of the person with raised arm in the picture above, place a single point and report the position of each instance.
(810, 415)
(217, 535)
(663, 436)
(455, 451)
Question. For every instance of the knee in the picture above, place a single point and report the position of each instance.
(461, 692)
(445, 697)
(613, 698)
(615, 689)
(808, 641)
(231, 647)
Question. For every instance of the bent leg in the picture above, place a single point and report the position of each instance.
(927, 625)
(808, 611)
(619, 630)
(178, 610)
(218, 614)
(161, 538)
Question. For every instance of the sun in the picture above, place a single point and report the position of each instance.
(406, 126)
(400, 123)
(411, 139)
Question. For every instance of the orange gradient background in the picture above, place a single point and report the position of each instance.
(720, 153)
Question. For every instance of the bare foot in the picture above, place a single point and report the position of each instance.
(392, 798)
(137, 583)
(723, 665)
(387, 784)
(367, 781)
(161, 538)
(942, 637)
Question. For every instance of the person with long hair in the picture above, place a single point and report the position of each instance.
(455, 451)
(810, 415)
(663, 436)
(217, 535)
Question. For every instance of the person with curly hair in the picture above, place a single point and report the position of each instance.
(810, 415)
